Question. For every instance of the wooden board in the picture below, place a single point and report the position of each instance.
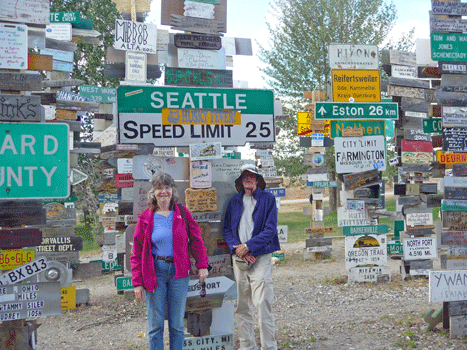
(201, 199)
(416, 167)
(404, 91)
(198, 77)
(19, 238)
(445, 67)
(404, 58)
(196, 25)
(445, 286)
(453, 139)
(451, 98)
(194, 41)
(18, 108)
(416, 135)
(26, 11)
(408, 200)
(457, 308)
(454, 220)
(40, 62)
(454, 205)
(352, 181)
(454, 116)
(60, 244)
(20, 81)
(21, 212)
(318, 230)
(454, 238)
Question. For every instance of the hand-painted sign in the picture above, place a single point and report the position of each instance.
(419, 219)
(356, 86)
(18, 108)
(205, 151)
(455, 220)
(454, 116)
(20, 82)
(454, 238)
(366, 250)
(135, 36)
(201, 59)
(196, 41)
(368, 128)
(356, 110)
(448, 286)
(13, 46)
(354, 180)
(26, 11)
(200, 174)
(454, 181)
(455, 193)
(199, 10)
(416, 151)
(140, 115)
(303, 124)
(448, 8)
(360, 153)
(349, 56)
(448, 46)
(38, 160)
(369, 274)
(198, 77)
(136, 66)
(201, 199)
(347, 217)
(454, 140)
(420, 248)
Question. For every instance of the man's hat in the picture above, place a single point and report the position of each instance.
(252, 169)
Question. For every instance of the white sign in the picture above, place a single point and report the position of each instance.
(283, 233)
(109, 253)
(229, 44)
(407, 72)
(203, 59)
(164, 152)
(200, 174)
(348, 217)
(24, 271)
(419, 219)
(365, 250)
(268, 172)
(317, 140)
(448, 286)
(348, 56)
(58, 31)
(205, 151)
(214, 285)
(368, 274)
(213, 341)
(124, 165)
(135, 36)
(420, 248)
(316, 177)
(13, 46)
(26, 11)
(357, 154)
(454, 181)
(199, 10)
(135, 66)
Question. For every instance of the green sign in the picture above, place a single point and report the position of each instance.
(108, 266)
(98, 93)
(324, 183)
(432, 125)
(214, 2)
(395, 247)
(356, 110)
(369, 127)
(34, 160)
(454, 205)
(365, 230)
(123, 283)
(64, 17)
(152, 99)
(449, 46)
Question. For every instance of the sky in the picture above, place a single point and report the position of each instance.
(247, 19)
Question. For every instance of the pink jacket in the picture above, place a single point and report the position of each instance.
(142, 261)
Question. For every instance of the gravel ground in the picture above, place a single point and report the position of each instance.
(315, 308)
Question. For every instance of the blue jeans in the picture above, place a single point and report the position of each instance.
(172, 292)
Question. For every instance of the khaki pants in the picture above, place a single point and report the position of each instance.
(255, 290)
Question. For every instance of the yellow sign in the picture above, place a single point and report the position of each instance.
(200, 116)
(140, 5)
(350, 85)
(304, 123)
(451, 158)
(12, 258)
(68, 297)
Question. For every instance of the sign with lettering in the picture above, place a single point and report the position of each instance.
(448, 286)
(135, 36)
(58, 31)
(220, 341)
(454, 116)
(454, 181)
(349, 56)
(198, 77)
(368, 274)
(452, 67)
(448, 8)
(455, 192)
(360, 153)
(303, 124)
(366, 250)
(18, 108)
(29, 300)
(454, 204)
(420, 248)
(419, 219)
(13, 46)
(60, 244)
(20, 81)
(21, 237)
(38, 166)
(356, 110)
(455, 220)
(416, 151)
(448, 46)
(201, 199)
(454, 139)
(26, 11)
(283, 233)
(197, 41)
(98, 93)
(356, 86)
(407, 72)
(201, 59)
(146, 126)
(136, 66)
(454, 238)
(365, 230)
(354, 180)
(200, 174)
(124, 180)
(68, 17)
(351, 217)
(416, 135)
(12, 258)
(400, 57)
(367, 127)
(205, 151)
(197, 25)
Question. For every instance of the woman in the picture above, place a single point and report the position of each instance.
(160, 263)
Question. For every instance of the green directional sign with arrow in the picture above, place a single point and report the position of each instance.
(77, 176)
(356, 110)
(365, 230)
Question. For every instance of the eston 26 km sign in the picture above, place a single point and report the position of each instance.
(141, 111)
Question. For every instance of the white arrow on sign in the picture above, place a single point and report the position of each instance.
(322, 110)
(77, 176)
(214, 285)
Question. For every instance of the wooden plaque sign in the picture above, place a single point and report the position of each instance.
(454, 181)
(18, 108)
(408, 200)
(406, 91)
(455, 193)
(416, 135)
(454, 116)
(21, 212)
(194, 41)
(352, 181)
(455, 220)
(13, 45)
(416, 151)
(40, 62)
(60, 244)
(416, 168)
(460, 169)
(432, 200)
(445, 67)
(318, 230)
(135, 36)
(19, 238)
(454, 237)
(419, 219)
(346, 217)
(446, 286)
(454, 140)
(351, 132)
(20, 81)
(201, 199)
(196, 25)
(454, 204)
(198, 77)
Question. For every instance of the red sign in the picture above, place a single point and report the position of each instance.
(124, 180)
(417, 146)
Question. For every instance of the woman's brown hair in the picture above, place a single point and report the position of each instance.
(159, 180)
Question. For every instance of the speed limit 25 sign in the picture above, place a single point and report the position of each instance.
(179, 116)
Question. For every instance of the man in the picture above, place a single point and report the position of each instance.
(250, 229)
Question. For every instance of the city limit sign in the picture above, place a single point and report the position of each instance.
(34, 161)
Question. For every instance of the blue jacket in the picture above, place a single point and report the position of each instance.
(264, 239)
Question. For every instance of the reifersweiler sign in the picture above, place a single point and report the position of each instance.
(140, 117)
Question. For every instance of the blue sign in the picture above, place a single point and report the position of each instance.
(277, 192)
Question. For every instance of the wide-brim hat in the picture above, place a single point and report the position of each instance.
(252, 169)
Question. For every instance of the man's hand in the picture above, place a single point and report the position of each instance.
(139, 292)
(248, 258)
(241, 250)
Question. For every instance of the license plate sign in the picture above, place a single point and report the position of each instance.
(23, 272)
(11, 258)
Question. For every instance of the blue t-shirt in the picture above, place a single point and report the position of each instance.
(161, 237)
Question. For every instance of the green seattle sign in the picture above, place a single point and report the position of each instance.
(365, 230)
(356, 110)
(34, 161)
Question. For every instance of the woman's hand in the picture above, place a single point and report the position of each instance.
(139, 292)
(203, 274)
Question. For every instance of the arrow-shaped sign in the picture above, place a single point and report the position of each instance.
(365, 230)
(214, 285)
(77, 176)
